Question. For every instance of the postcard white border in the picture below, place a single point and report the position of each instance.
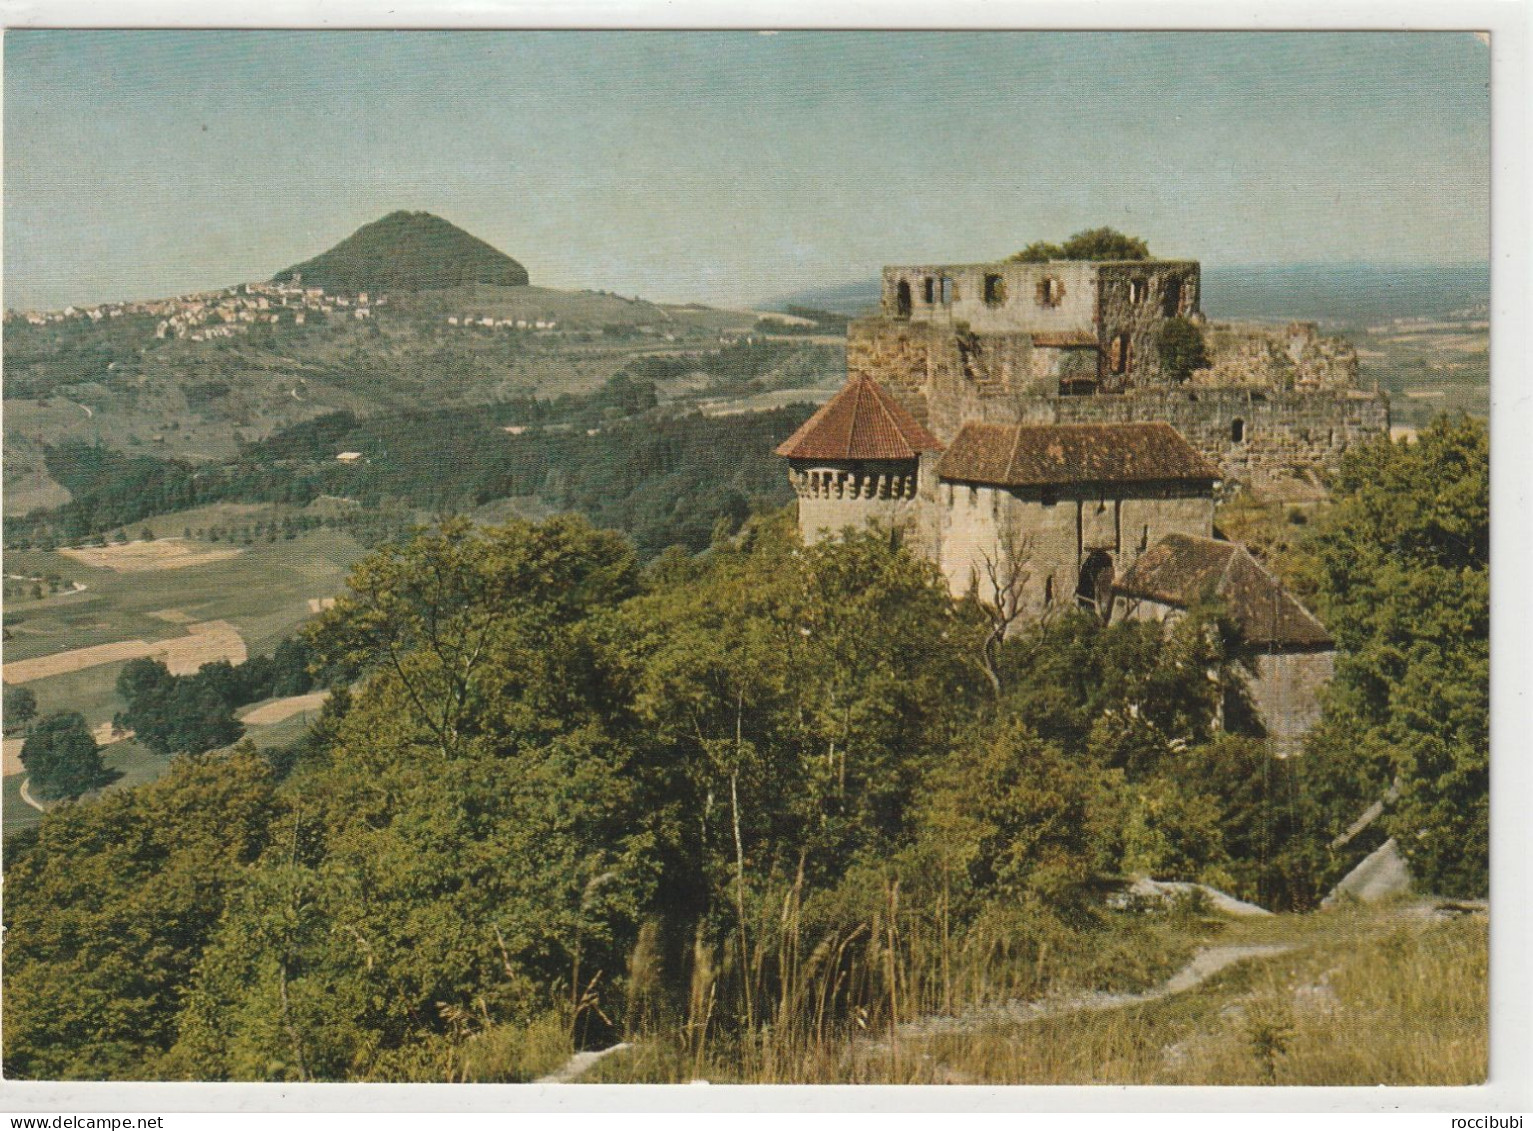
(1510, 1088)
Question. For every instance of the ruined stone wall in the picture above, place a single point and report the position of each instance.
(1262, 356)
(1134, 301)
(1257, 435)
(1022, 298)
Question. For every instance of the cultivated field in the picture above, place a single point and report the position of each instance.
(140, 557)
(276, 710)
(13, 756)
(203, 644)
(229, 607)
(1427, 368)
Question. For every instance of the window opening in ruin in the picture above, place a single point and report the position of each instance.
(1118, 355)
(929, 290)
(1135, 291)
(1144, 537)
(995, 290)
(1094, 590)
(944, 286)
(1050, 291)
(1048, 589)
(1173, 298)
(1237, 431)
(902, 300)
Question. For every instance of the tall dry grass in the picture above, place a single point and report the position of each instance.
(1363, 997)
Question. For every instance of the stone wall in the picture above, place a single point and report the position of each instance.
(1286, 694)
(1253, 354)
(855, 493)
(1134, 302)
(1256, 438)
(1050, 537)
(1257, 434)
(1022, 296)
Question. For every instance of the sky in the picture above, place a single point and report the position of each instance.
(729, 167)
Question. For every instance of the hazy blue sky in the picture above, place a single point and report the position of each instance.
(731, 166)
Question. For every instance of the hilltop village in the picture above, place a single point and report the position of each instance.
(1055, 434)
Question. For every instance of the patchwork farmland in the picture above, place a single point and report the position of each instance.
(188, 604)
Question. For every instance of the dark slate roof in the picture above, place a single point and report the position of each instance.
(862, 421)
(1065, 339)
(1043, 455)
(1180, 569)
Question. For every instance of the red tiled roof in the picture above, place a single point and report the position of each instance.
(1033, 455)
(862, 421)
(1065, 339)
(1179, 570)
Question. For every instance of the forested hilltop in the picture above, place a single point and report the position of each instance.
(748, 807)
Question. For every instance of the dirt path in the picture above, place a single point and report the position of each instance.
(1204, 965)
(26, 796)
(579, 1063)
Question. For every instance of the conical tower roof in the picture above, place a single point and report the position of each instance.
(862, 421)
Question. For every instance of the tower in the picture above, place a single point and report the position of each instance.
(861, 459)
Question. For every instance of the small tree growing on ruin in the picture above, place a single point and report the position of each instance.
(1105, 243)
(1094, 244)
(1038, 251)
(1182, 349)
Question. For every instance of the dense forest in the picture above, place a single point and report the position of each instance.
(744, 802)
(662, 478)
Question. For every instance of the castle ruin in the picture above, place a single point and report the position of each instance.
(1024, 425)
(1080, 342)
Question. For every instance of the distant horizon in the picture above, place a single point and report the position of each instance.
(728, 166)
(762, 299)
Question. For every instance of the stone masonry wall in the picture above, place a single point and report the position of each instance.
(1286, 694)
(981, 525)
(1257, 434)
(1273, 357)
(1134, 302)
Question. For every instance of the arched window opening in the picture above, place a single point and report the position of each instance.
(902, 300)
(1173, 298)
(929, 290)
(1237, 431)
(1135, 291)
(995, 290)
(1094, 589)
(1118, 353)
